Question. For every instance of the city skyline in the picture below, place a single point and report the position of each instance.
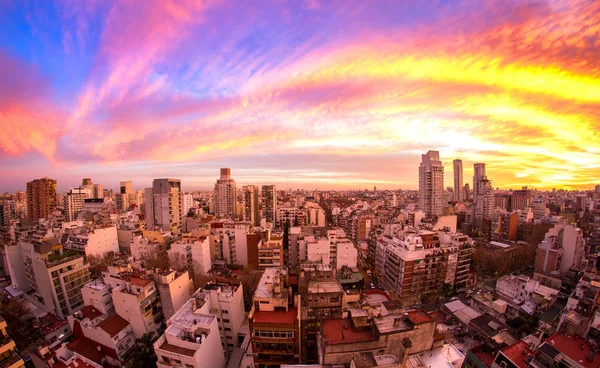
(306, 95)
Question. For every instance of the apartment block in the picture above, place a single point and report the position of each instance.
(41, 198)
(274, 321)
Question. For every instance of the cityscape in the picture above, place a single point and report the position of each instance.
(300, 184)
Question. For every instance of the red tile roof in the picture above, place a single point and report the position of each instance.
(90, 312)
(335, 333)
(276, 316)
(575, 348)
(113, 325)
(518, 354)
(89, 349)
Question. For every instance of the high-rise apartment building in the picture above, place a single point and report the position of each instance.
(41, 198)
(126, 197)
(269, 203)
(251, 214)
(8, 354)
(478, 175)
(459, 193)
(51, 274)
(483, 197)
(164, 205)
(225, 201)
(74, 201)
(431, 184)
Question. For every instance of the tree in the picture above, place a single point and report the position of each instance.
(19, 322)
(158, 258)
(448, 290)
(144, 355)
(178, 262)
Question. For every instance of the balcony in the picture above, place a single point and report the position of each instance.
(14, 361)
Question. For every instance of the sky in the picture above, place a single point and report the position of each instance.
(302, 94)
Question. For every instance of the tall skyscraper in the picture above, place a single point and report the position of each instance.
(478, 174)
(225, 201)
(269, 203)
(164, 205)
(250, 193)
(459, 193)
(431, 184)
(483, 196)
(41, 198)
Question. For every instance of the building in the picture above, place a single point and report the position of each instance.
(127, 197)
(274, 321)
(483, 199)
(164, 205)
(9, 357)
(110, 334)
(74, 201)
(41, 198)
(135, 299)
(320, 299)
(196, 334)
(431, 184)
(54, 275)
(225, 196)
(188, 204)
(226, 302)
(94, 241)
(201, 258)
(562, 249)
(459, 195)
(174, 289)
(269, 203)
(270, 254)
(250, 196)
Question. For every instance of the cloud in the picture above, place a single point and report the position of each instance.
(28, 117)
(195, 82)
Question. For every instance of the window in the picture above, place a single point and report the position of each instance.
(227, 329)
(225, 320)
(503, 364)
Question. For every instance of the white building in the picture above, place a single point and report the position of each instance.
(142, 248)
(431, 184)
(188, 203)
(174, 288)
(74, 201)
(192, 339)
(98, 294)
(230, 242)
(201, 256)
(250, 197)
(96, 241)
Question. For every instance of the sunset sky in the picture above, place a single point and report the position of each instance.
(309, 94)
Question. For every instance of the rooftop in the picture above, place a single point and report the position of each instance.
(393, 323)
(337, 331)
(325, 287)
(575, 348)
(113, 325)
(177, 350)
(90, 312)
(277, 316)
(263, 290)
(186, 318)
(518, 354)
(446, 356)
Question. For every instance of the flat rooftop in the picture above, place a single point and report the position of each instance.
(177, 350)
(277, 316)
(575, 348)
(263, 290)
(392, 323)
(518, 353)
(336, 333)
(325, 287)
(186, 319)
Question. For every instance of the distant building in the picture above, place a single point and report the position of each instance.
(459, 195)
(250, 197)
(225, 196)
(269, 203)
(562, 249)
(163, 205)
(431, 184)
(41, 198)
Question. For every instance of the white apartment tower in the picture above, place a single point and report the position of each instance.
(250, 193)
(269, 203)
(483, 193)
(225, 200)
(431, 184)
(459, 192)
(164, 205)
